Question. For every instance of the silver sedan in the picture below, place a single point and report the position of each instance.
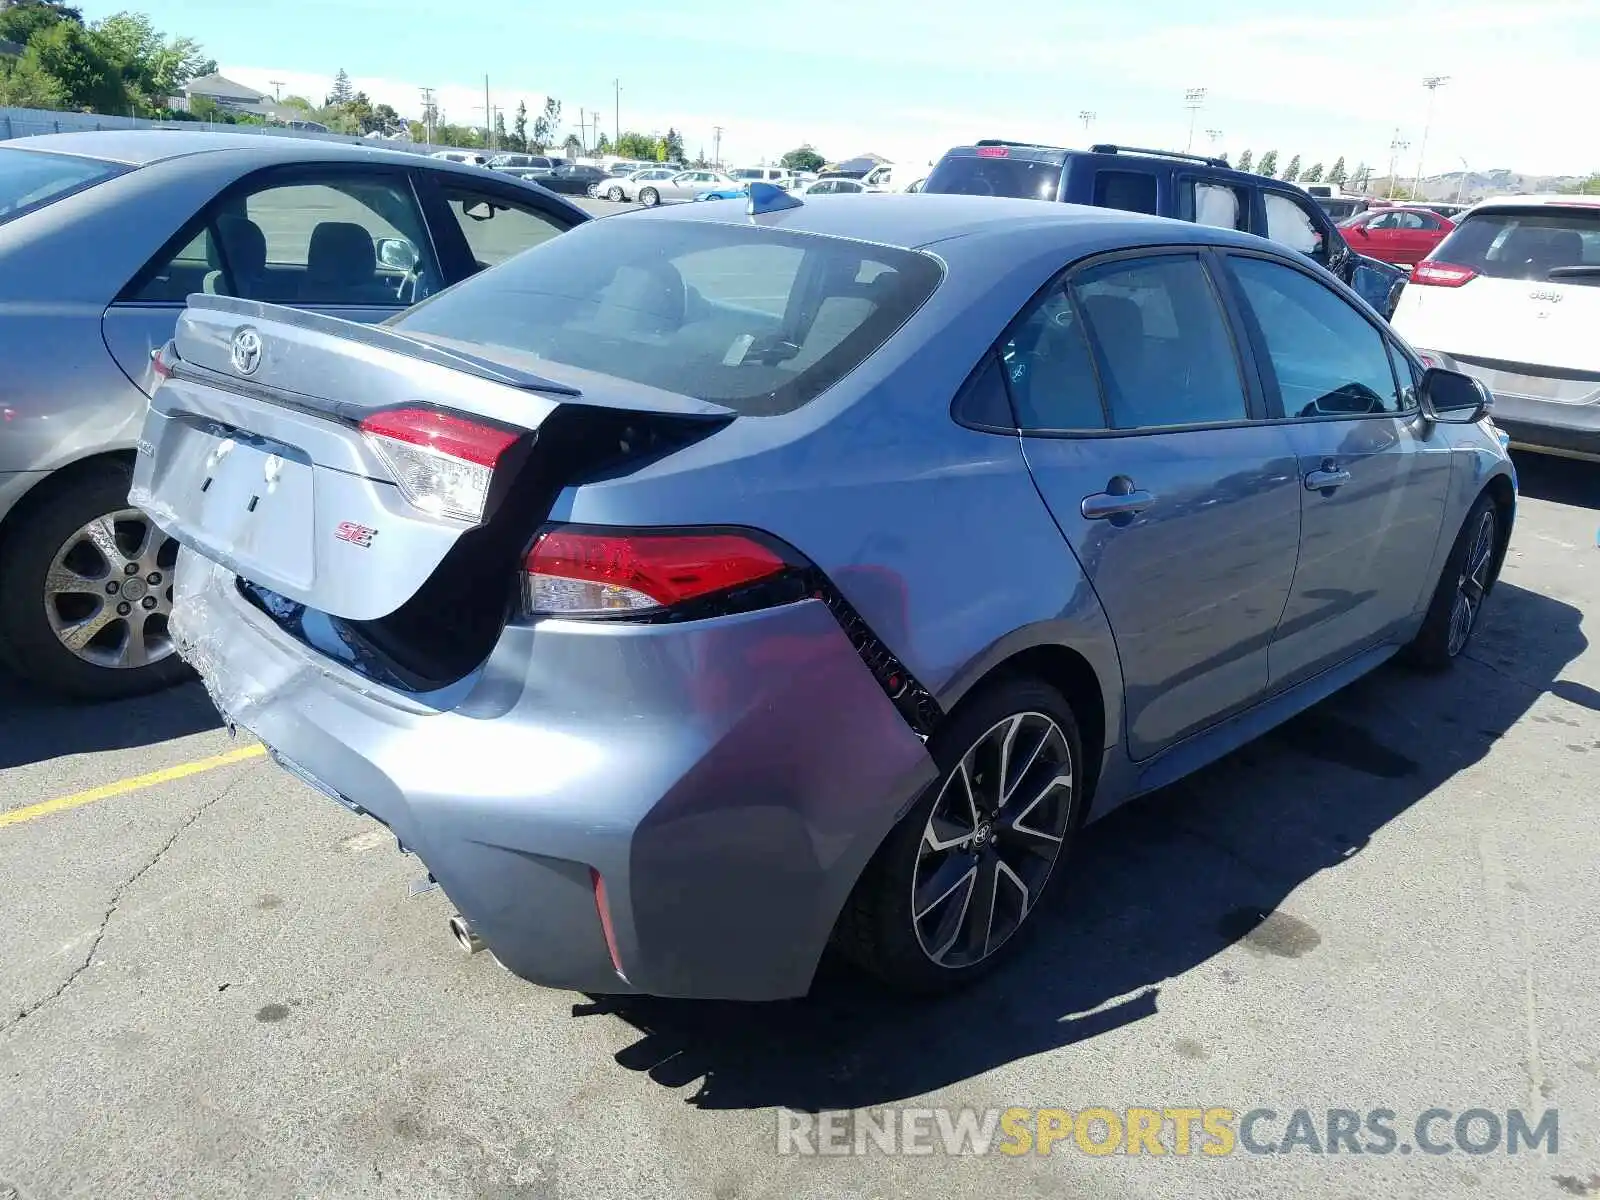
(103, 237)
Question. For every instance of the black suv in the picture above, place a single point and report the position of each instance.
(1166, 184)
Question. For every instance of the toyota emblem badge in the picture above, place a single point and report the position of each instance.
(246, 351)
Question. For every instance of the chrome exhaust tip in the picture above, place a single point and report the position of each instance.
(461, 930)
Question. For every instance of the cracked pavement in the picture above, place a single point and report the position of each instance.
(217, 986)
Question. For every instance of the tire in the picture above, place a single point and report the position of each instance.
(122, 653)
(649, 197)
(1464, 585)
(1029, 829)
(616, 196)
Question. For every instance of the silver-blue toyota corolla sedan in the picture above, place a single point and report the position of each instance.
(708, 585)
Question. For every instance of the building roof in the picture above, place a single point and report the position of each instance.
(219, 87)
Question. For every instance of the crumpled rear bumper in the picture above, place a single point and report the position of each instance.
(728, 779)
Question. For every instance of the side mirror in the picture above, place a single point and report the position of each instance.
(397, 254)
(1451, 398)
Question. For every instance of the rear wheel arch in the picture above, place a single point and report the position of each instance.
(1071, 674)
(64, 476)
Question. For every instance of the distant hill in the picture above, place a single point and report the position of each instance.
(1479, 184)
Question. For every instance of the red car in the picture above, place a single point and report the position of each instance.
(1399, 234)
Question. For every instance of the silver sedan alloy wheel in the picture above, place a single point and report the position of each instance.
(108, 592)
(1472, 584)
(992, 839)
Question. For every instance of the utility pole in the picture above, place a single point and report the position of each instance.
(277, 88)
(1194, 99)
(616, 132)
(488, 115)
(583, 129)
(716, 146)
(1087, 116)
(1432, 83)
(430, 115)
(1462, 190)
(1395, 146)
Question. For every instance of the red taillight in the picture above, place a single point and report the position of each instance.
(603, 907)
(576, 572)
(163, 361)
(442, 463)
(1441, 274)
(993, 151)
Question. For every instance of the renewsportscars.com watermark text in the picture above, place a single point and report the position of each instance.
(1178, 1131)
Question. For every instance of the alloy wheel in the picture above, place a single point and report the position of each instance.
(615, 194)
(991, 840)
(108, 592)
(1472, 585)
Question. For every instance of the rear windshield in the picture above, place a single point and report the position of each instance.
(1527, 243)
(757, 319)
(971, 175)
(30, 179)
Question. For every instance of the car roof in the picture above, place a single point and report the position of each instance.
(916, 220)
(1542, 200)
(141, 147)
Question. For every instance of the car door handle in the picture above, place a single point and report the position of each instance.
(1327, 478)
(1102, 506)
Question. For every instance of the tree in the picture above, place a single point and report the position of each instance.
(660, 152)
(1224, 157)
(21, 19)
(602, 145)
(1337, 173)
(1244, 161)
(153, 66)
(674, 141)
(636, 145)
(1292, 171)
(1313, 174)
(573, 146)
(299, 102)
(89, 75)
(519, 129)
(25, 84)
(1269, 164)
(804, 159)
(545, 125)
(343, 92)
(387, 121)
(500, 130)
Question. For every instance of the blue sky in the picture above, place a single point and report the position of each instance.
(905, 81)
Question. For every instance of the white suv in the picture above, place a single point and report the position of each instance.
(1512, 296)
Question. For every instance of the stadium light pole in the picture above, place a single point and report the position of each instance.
(1194, 99)
(1433, 83)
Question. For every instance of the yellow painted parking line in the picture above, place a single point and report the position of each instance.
(123, 786)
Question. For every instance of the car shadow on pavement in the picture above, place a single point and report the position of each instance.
(1558, 480)
(1154, 890)
(36, 728)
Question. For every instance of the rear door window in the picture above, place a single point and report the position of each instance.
(757, 319)
(1132, 191)
(30, 179)
(1164, 351)
(982, 175)
(1048, 368)
(1528, 244)
(1216, 204)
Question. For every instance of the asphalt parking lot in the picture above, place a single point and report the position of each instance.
(213, 983)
